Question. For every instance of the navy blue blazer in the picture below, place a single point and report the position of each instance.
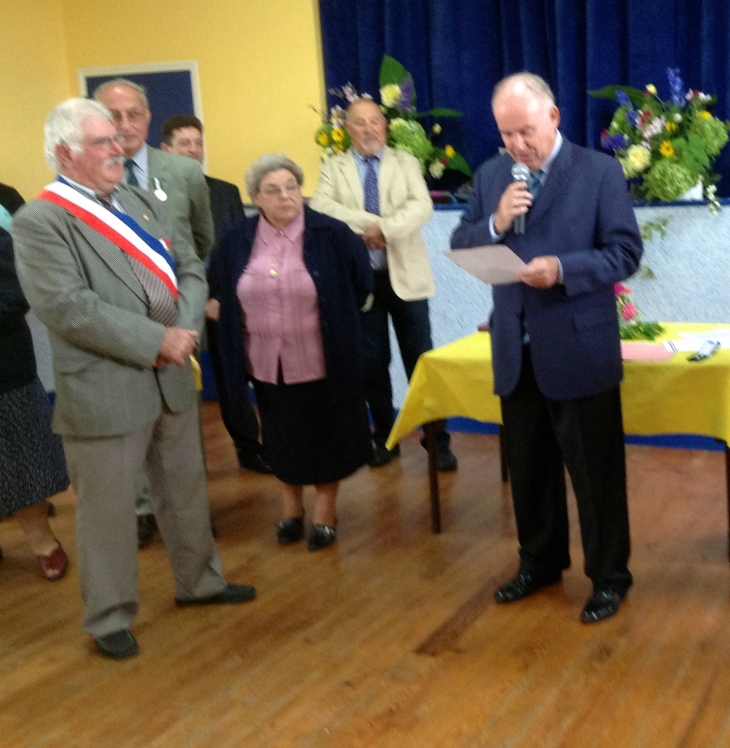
(585, 217)
(339, 263)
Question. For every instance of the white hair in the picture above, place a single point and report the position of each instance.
(267, 163)
(65, 125)
(534, 83)
(141, 90)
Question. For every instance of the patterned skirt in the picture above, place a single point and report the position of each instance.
(32, 463)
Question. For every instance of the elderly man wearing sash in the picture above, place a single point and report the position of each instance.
(123, 297)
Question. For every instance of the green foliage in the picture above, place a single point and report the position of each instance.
(649, 228)
(641, 330)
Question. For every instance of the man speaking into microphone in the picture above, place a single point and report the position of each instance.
(566, 212)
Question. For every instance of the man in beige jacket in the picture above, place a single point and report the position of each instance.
(380, 194)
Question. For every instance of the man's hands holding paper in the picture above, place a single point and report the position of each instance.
(541, 272)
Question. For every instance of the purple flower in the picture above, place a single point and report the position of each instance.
(623, 98)
(406, 93)
(615, 142)
(632, 117)
(676, 86)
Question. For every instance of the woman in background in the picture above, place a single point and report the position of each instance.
(288, 286)
(32, 463)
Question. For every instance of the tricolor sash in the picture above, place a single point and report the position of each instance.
(120, 229)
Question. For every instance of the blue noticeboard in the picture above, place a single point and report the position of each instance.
(169, 92)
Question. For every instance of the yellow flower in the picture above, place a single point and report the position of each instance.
(339, 149)
(666, 149)
(704, 114)
(437, 128)
(323, 139)
(670, 127)
(338, 136)
(390, 95)
(449, 152)
(651, 88)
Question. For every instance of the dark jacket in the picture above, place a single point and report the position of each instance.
(585, 217)
(225, 204)
(17, 359)
(10, 198)
(338, 261)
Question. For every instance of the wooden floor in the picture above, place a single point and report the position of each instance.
(391, 637)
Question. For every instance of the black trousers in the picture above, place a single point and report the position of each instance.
(586, 435)
(240, 420)
(413, 331)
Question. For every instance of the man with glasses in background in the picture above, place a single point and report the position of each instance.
(176, 183)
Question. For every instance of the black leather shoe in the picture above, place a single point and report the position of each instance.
(382, 456)
(118, 645)
(321, 536)
(523, 585)
(254, 462)
(230, 595)
(290, 530)
(446, 460)
(602, 604)
(146, 527)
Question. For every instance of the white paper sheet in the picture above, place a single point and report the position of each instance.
(494, 264)
(689, 342)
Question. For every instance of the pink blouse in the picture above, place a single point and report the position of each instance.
(280, 309)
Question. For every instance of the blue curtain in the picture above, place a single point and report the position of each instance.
(457, 51)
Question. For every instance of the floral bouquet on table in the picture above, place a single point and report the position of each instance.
(405, 132)
(665, 147)
(631, 327)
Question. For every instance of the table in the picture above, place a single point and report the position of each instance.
(658, 397)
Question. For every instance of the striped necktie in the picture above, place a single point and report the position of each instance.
(372, 200)
(536, 182)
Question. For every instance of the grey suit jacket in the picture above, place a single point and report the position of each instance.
(188, 197)
(82, 287)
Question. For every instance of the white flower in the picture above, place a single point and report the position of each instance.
(638, 159)
(677, 117)
(398, 122)
(436, 169)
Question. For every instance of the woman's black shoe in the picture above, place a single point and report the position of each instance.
(321, 536)
(290, 530)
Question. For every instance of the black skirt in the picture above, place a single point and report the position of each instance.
(307, 439)
(32, 463)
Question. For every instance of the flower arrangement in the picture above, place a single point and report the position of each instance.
(405, 132)
(665, 147)
(631, 327)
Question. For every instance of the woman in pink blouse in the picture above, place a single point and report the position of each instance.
(290, 284)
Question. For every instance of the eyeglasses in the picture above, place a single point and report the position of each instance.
(272, 191)
(105, 142)
(133, 115)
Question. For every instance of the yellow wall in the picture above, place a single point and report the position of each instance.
(259, 62)
(34, 78)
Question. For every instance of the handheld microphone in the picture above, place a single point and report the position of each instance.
(520, 173)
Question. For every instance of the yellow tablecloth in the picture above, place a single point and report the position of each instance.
(659, 397)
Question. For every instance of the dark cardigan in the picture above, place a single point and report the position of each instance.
(338, 261)
(17, 359)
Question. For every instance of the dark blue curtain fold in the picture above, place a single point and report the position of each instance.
(457, 51)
